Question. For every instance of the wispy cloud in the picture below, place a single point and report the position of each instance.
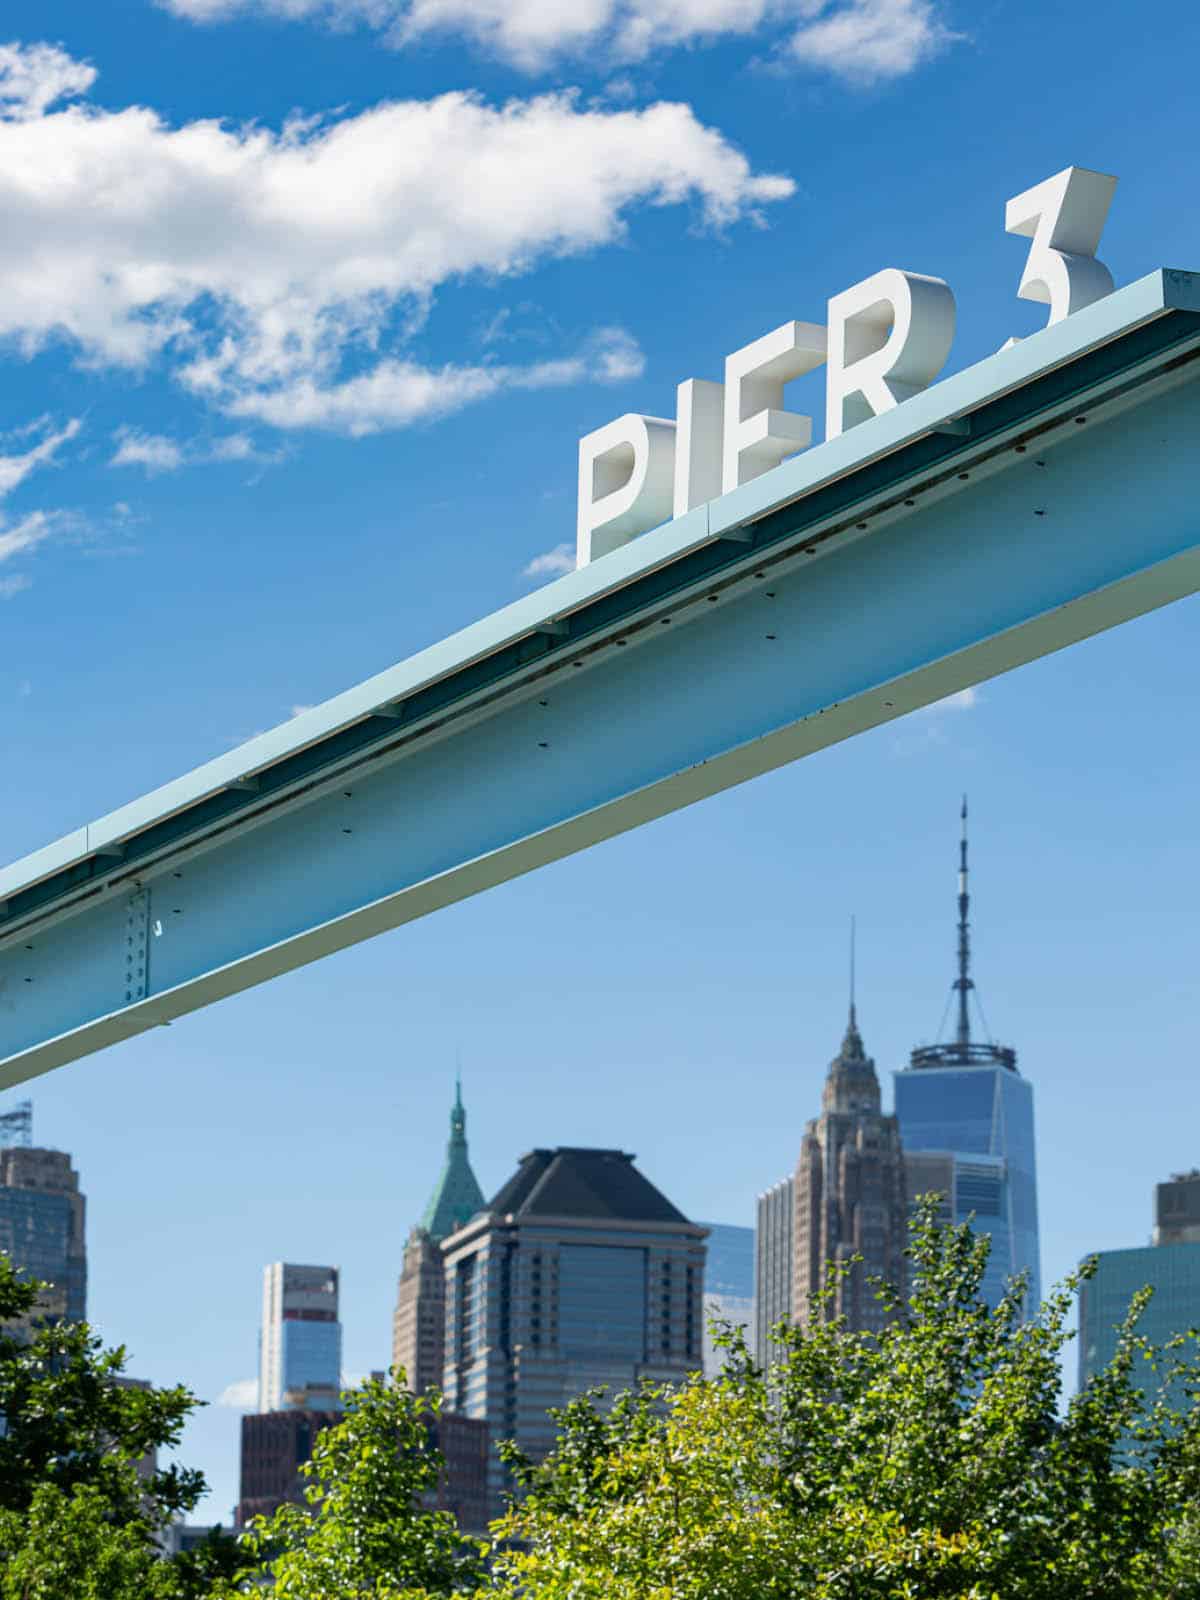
(157, 452)
(551, 563)
(152, 451)
(14, 469)
(19, 538)
(241, 1396)
(16, 584)
(859, 41)
(866, 42)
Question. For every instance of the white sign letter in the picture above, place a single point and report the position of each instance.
(759, 433)
(699, 423)
(1064, 216)
(626, 473)
(889, 337)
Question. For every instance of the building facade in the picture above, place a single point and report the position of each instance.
(966, 1101)
(1177, 1209)
(300, 1345)
(578, 1273)
(728, 1289)
(43, 1220)
(1170, 1266)
(276, 1444)
(849, 1197)
(1171, 1270)
(419, 1322)
(774, 1252)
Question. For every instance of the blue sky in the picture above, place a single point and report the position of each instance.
(304, 305)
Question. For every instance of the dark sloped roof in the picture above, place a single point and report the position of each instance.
(573, 1182)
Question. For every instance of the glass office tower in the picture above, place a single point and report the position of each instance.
(300, 1346)
(728, 1288)
(965, 1099)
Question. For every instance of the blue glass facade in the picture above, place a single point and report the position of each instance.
(1171, 1270)
(42, 1228)
(311, 1355)
(728, 1289)
(729, 1265)
(982, 1115)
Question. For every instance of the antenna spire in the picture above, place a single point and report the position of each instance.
(853, 996)
(963, 982)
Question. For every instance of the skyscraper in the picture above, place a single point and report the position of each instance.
(1170, 1266)
(965, 1100)
(578, 1272)
(300, 1348)
(43, 1219)
(728, 1289)
(418, 1326)
(774, 1259)
(1177, 1209)
(849, 1193)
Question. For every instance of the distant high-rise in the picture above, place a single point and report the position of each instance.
(276, 1444)
(1170, 1266)
(43, 1219)
(1177, 1209)
(579, 1272)
(418, 1326)
(728, 1289)
(300, 1350)
(965, 1101)
(774, 1259)
(849, 1194)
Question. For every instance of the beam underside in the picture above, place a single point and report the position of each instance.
(1029, 560)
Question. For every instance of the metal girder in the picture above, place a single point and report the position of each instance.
(1043, 495)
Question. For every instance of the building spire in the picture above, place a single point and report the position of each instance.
(456, 1196)
(853, 1007)
(963, 983)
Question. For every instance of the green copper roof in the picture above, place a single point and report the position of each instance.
(456, 1196)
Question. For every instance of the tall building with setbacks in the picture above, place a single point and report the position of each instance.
(578, 1273)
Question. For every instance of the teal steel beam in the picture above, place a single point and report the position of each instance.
(1037, 497)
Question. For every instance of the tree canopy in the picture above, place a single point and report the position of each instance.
(936, 1460)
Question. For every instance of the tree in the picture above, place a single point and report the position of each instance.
(931, 1462)
(365, 1530)
(76, 1517)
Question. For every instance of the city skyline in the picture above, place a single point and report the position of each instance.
(457, 1127)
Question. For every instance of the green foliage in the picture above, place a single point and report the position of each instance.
(364, 1532)
(932, 1462)
(76, 1519)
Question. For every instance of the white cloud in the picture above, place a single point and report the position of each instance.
(278, 273)
(157, 452)
(860, 41)
(11, 586)
(33, 77)
(153, 451)
(964, 700)
(551, 563)
(869, 41)
(18, 538)
(395, 393)
(14, 469)
(242, 1395)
